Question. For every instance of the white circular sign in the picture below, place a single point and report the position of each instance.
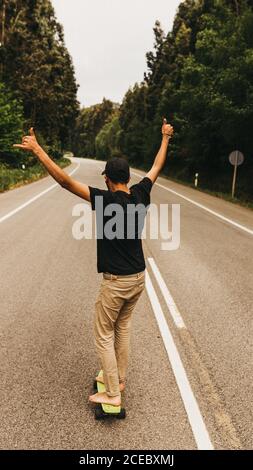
(236, 158)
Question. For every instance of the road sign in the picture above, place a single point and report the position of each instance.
(236, 158)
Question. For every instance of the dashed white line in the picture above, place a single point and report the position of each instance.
(178, 320)
(201, 206)
(196, 421)
(27, 203)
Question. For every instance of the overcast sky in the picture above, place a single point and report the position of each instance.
(108, 40)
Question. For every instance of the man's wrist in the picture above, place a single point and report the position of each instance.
(37, 150)
(166, 137)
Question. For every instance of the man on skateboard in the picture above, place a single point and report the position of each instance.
(120, 258)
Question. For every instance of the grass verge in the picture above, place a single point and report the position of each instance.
(225, 196)
(242, 201)
(11, 178)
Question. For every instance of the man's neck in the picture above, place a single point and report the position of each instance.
(119, 187)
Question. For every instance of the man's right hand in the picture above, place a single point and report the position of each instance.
(29, 143)
(167, 129)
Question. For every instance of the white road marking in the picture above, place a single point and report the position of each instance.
(196, 421)
(178, 320)
(216, 214)
(27, 203)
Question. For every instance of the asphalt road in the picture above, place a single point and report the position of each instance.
(190, 373)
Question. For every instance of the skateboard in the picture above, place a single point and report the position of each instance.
(103, 411)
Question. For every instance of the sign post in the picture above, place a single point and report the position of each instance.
(236, 158)
(196, 180)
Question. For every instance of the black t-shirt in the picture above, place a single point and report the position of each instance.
(120, 220)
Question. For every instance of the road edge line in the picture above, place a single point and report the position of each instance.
(30, 201)
(201, 206)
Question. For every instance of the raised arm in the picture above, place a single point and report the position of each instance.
(30, 144)
(167, 133)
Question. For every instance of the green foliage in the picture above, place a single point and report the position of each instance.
(201, 78)
(108, 140)
(11, 123)
(13, 177)
(89, 123)
(36, 66)
(214, 99)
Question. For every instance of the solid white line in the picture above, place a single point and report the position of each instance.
(216, 214)
(196, 421)
(27, 203)
(178, 320)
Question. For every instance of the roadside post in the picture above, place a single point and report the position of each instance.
(236, 158)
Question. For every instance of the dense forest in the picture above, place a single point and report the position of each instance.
(199, 76)
(37, 81)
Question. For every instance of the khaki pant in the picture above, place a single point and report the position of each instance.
(117, 298)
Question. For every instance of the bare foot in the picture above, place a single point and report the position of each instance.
(100, 379)
(105, 399)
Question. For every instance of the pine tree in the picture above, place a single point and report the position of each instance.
(11, 125)
(37, 67)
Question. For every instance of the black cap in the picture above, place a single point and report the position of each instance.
(117, 169)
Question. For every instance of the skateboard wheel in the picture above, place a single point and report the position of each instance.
(99, 414)
(95, 386)
(122, 414)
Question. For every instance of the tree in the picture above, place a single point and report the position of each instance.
(89, 123)
(108, 139)
(38, 68)
(200, 78)
(11, 124)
